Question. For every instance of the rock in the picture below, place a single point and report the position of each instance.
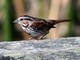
(48, 49)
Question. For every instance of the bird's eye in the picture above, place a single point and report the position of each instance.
(21, 19)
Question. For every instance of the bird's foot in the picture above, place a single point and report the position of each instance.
(37, 38)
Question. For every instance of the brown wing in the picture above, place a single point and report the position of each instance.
(39, 24)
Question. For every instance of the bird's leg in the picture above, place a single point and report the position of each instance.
(41, 37)
(37, 37)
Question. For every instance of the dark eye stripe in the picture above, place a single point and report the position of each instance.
(21, 19)
(28, 19)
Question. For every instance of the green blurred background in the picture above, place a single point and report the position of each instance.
(47, 9)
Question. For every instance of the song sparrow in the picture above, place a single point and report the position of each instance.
(37, 27)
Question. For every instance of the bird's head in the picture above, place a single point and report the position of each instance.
(24, 20)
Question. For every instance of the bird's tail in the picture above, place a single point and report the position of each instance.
(59, 21)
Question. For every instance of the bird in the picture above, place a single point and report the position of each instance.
(37, 27)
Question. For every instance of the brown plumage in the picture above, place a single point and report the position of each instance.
(37, 27)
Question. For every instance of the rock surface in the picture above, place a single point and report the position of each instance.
(48, 49)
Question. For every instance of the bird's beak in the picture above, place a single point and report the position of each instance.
(16, 21)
